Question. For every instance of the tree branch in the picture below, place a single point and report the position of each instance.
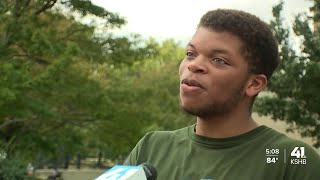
(10, 121)
(39, 60)
(6, 37)
(45, 7)
(27, 3)
(16, 12)
(24, 53)
(71, 33)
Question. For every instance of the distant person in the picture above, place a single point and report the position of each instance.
(30, 169)
(56, 175)
(66, 162)
(78, 161)
(227, 63)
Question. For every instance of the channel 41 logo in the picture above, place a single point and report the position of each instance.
(298, 156)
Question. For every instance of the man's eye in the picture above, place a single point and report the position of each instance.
(190, 54)
(219, 60)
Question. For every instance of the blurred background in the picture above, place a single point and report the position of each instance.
(82, 81)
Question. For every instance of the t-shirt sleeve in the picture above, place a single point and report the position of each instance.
(132, 159)
(306, 168)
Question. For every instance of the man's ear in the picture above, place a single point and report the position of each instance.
(255, 84)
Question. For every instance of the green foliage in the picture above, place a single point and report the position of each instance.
(85, 7)
(144, 98)
(12, 169)
(67, 89)
(293, 91)
(49, 99)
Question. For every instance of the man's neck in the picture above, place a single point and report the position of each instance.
(224, 126)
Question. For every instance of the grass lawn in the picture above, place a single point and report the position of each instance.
(72, 174)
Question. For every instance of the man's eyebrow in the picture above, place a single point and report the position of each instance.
(220, 51)
(214, 51)
(190, 45)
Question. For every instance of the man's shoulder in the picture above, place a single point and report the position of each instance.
(301, 159)
(277, 138)
(178, 133)
(166, 137)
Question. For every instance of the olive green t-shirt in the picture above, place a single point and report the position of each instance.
(261, 154)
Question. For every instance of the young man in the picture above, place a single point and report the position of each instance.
(228, 62)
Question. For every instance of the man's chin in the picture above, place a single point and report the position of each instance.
(204, 112)
(191, 110)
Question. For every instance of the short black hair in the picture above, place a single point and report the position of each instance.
(260, 45)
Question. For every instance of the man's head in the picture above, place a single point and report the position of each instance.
(260, 47)
(228, 62)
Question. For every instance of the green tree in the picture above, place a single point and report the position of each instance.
(68, 87)
(293, 91)
(49, 97)
(12, 169)
(144, 98)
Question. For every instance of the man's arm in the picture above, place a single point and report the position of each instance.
(132, 159)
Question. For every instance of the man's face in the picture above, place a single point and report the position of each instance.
(213, 74)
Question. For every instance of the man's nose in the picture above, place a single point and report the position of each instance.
(198, 65)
